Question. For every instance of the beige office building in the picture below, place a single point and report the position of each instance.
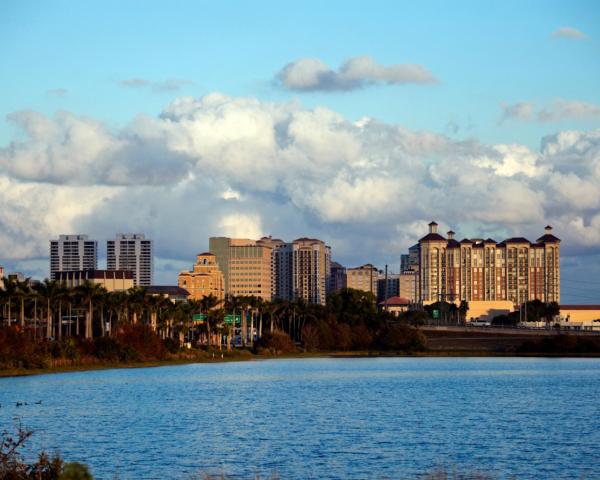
(205, 278)
(477, 270)
(363, 278)
(111, 280)
(245, 264)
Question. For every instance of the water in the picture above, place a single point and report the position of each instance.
(321, 418)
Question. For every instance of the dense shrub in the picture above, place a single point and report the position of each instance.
(401, 338)
(275, 343)
(142, 340)
(17, 350)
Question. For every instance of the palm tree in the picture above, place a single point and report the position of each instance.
(207, 305)
(23, 291)
(48, 291)
(9, 292)
(232, 304)
(88, 293)
(136, 302)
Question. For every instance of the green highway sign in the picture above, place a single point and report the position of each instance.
(229, 319)
(199, 317)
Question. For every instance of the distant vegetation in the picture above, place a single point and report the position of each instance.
(51, 326)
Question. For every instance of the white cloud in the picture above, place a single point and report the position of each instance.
(558, 110)
(241, 226)
(310, 74)
(220, 165)
(569, 32)
(160, 86)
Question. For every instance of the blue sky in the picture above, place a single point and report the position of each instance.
(92, 91)
(482, 53)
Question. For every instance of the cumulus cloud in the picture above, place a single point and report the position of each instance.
(220, 165)
(310, 74)
(168, 85)
(557, 111)
(570, 33)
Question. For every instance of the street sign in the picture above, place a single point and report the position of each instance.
(199, 318)
(229, 319)
(436, 313)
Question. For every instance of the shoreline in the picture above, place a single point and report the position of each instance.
(244, 357)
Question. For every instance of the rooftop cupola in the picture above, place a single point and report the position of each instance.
(548, 229)
(450, 234)
(433, 227)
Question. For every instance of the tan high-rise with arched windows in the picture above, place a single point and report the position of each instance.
(205, 278)
(478, 270)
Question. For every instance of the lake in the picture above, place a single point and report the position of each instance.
(320, 418)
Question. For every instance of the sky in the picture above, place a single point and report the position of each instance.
(353, 122)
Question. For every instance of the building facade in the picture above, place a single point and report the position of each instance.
(134, 253)
(408, 285)
(71, 253)
(281, 267)
(337, 279)
(245, 264)
(363, 278)
(478, 270)
(205, 278)
(391, 290)
(311, 270)
(111, 280)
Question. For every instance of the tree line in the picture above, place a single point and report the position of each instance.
(49, 311)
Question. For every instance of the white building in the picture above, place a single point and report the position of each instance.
(132, 252)
(71, 253)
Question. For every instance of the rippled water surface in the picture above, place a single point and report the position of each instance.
(321, 418)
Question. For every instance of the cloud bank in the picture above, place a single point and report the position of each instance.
(221, 165)
(310, 74)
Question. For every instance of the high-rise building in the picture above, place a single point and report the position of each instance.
(311, 270)
(408, 285)
(245, 264)
(393, 286)
(337, 279)
(273, 269)
(404, 262)
(71, 253)
(479, 270)
(363, 278)
(132, 252)
(281, 267)
(205, 278)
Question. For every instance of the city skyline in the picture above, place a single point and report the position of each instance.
(485, 117)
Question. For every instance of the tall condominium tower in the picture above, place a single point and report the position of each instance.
(311, 270)
(281, 267)
(131, 252)
(72, 253)
(514, 270)
(245, 264)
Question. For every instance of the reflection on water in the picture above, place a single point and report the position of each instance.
(320, 418)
